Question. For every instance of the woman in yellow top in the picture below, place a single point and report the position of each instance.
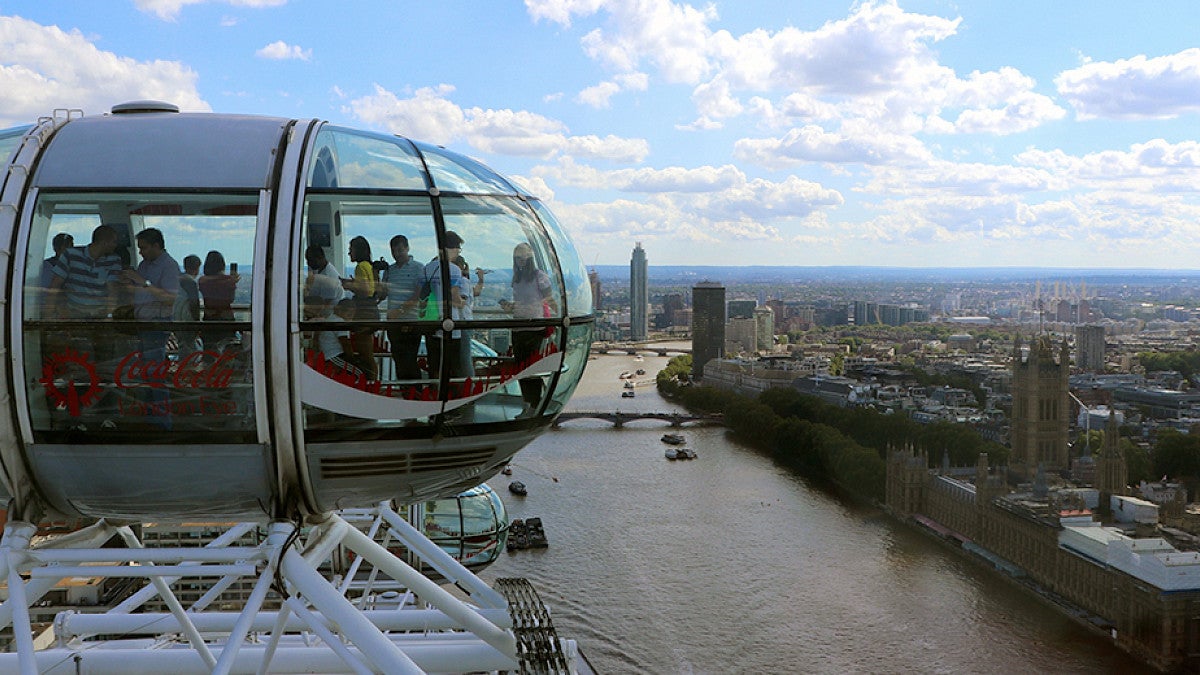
(362, 340)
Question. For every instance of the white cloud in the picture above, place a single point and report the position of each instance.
(44, 67)
(560, 11)
(168, 10)
(717, 197)
(598, 95)
(714, 101)
(672, 37)
(1098, 221)
(1155, 166)
(427, 115)
(430, 116)
(792, 109)
(812, 143)
(962, 179)
(633, 81)
(1135, 88)
(877, 64)
(281, 51)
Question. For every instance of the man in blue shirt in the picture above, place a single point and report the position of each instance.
(156, 284)
(402, 282)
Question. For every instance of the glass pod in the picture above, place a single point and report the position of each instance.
(230, 316)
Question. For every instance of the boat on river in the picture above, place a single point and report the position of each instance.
(628, 393)
(535, 533)
(685, 453)
(671, 453)
(527, 533)
(673, 439)
(518, 488)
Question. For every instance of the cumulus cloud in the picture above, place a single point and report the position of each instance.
(428, 114)
(1135, 88)
(812, 143)
(168, 10)
(598, 95)
(44, 67)
(1111, 221)
(721, 199)
(962, 179)
(1152, 166)
(282, 51)
(877, 64)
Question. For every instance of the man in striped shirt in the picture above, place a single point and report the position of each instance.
(85, 276)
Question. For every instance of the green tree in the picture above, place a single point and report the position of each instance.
(1138, 466)
(1177, 455)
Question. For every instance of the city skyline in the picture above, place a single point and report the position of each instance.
(909, 134)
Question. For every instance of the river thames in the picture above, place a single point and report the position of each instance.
(731, 564)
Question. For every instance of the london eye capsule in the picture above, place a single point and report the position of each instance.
(241, 317)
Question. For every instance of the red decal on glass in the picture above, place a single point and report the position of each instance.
(64, 367)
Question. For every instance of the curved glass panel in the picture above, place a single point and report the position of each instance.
(121, 344)
(469, 527)
(579, 342)
(365, 348)
(575, 277)
(377, 351)
(343, 158)
(511, 266)
(9, 140)
(452, 172)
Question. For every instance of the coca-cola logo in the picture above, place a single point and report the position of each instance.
(70, 381)
(199, 370)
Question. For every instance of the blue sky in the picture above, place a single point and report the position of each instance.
(914, 134)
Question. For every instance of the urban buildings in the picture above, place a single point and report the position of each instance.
(708, 325)
(741, 335)
(764, 322)
(639, 295)
(1089, 348)
(742, 309)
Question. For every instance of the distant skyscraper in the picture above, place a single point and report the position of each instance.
(594, 280)
(1089, 348)
(708, 325)
(639, 295)
(764, 320)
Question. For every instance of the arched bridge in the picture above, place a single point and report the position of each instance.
(632, 348)
(618, 419)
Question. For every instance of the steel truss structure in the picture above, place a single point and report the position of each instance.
(380, 616)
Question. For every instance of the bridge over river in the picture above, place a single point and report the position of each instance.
(666, 348)
(619, 419)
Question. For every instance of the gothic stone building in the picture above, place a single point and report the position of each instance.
(1142, 589)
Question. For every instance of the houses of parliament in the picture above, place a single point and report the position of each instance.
(1122, 565)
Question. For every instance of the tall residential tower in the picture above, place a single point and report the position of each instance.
(639, 295)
